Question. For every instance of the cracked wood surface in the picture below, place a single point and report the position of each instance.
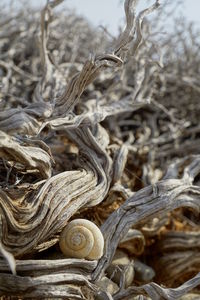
(62, 156)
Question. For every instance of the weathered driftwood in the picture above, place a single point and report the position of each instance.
(178, 264)
(163, 196)
(42, 267)
(61, 157)
(90, 141)
(134, 242)
(23, 156)
(179, 240)
(157, 292)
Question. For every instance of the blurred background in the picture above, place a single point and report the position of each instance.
(110, 13)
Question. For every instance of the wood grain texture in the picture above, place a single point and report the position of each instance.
(101, 137)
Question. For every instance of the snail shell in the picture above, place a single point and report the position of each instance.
(82, 239)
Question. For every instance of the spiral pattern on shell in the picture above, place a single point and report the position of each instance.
(82, 239)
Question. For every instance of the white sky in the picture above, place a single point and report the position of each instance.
(110, 13)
